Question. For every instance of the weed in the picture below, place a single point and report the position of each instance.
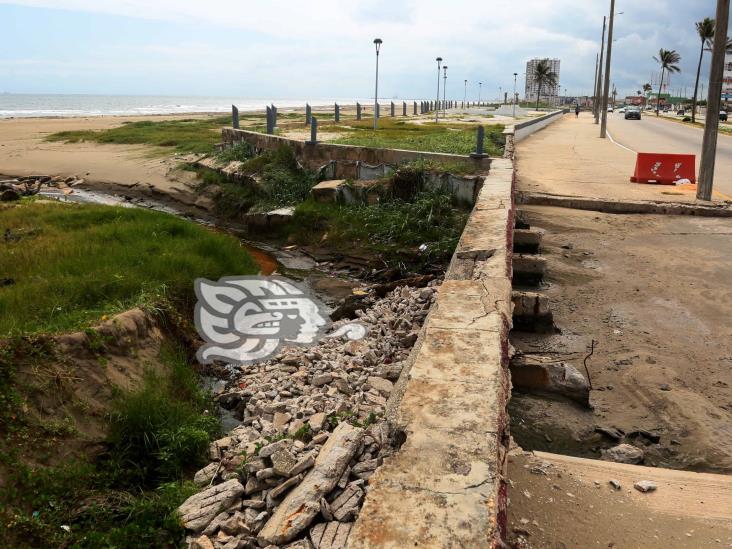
(184, 136)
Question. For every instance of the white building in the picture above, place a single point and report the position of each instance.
(549, 94)
(727, 80)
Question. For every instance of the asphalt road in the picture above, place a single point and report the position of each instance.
(666, 136)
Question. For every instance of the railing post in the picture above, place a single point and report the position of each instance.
(308, 114)
(479, 144)
(313, 131)
(392, 109)
(358, 111)
(337, 113)
(234, 117)
(270, 125)
(274, 116)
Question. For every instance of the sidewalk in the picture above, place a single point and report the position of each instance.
(569, 158)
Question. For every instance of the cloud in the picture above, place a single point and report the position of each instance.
(325, 45)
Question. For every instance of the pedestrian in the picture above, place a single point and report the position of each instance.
(576, 111)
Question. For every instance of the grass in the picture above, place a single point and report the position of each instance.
(392, 229)
(128, 497)
(428, 137)
(281, 181)
(184, 136)
(71, 264)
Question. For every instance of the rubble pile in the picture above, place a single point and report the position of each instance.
(295, 472)
(14, 189)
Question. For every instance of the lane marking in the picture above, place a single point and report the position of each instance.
(618, 144)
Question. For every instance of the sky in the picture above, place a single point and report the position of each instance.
(324, 48)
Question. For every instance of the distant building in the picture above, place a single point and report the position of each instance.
(636, 100)
(549, 94)
(727, 80)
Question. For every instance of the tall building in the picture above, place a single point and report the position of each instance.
(549, 94)
(727, 80)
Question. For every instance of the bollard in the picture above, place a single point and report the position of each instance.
(415, 108)
(308, 114)
(270, 125)
(358, 111)
(479, 149)
(274, 116)
(404, 108)
(392, 109)
(234, 117)
(313, 131)
(337, 113)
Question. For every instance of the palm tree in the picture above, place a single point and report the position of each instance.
(669, 60)
(544, 76)
(705, 29)
(647, 88)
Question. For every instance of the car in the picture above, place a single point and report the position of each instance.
(622, 110)
(633, 113)
(610, 109)
(723, 116)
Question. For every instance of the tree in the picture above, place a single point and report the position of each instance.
(544, 76)
(669, 60)
(705, 29)
(647, 88)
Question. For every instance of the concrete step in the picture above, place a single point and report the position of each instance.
(532, 313)
(527, 241)
(528, 269)
(545, 375)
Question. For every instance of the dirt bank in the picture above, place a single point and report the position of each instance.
(653, 291)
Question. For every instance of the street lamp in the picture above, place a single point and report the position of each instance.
(515, 76)
(480, 89)
(465, 95)
(377, 43)
(500, 95)
(444, 94)
(437, 103)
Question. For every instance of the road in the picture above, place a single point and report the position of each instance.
(666, 136)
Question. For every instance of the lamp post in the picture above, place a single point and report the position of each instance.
(515, 76)
(600, 72)
(480, 89)
(500, 95)
(437, 103)
(608, 61)
(444, 94)
(377, 43)
(465, 94)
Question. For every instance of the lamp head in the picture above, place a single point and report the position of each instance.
(378, 42)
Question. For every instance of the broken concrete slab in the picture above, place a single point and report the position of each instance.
(331, 535)
(537, 374)
(201, 508)
(532, 313)
(302, 504)
(328, 191)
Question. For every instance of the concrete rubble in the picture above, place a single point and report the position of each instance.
(294, 473)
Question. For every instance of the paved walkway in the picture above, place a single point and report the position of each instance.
(569, 158)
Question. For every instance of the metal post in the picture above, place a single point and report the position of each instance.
(465, 94)
(313, 131)
(392, 109)
(597, 66)
(480, 91)
(377, 43)
(515, 76)
(270, 127)
(444, 93)
(711, 128)
(234, 117)
(337, 113)
(437, 112)
(404, 108)
(415, 108)
(600, 73)
(358, 111)
(606, 91)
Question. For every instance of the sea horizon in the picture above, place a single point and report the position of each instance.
(30, 105)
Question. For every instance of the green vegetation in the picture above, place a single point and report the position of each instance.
(280, 181)
(67, 265)
(393, 228)
(127, 497)
(449, 138)
(185, 136)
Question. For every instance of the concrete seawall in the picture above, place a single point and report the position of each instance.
(446, 485)
(346, 157)
(517, 133)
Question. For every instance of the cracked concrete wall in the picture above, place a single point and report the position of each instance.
(446, 485)
(313, 156)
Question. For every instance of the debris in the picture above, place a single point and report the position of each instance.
(615, 484)
(645, 486)
(199, 509)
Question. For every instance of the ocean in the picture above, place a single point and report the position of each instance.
(34, 105)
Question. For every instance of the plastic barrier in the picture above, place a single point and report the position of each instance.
(666, 169)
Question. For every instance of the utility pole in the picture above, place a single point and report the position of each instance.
(598, 90)
(711, 127)
(594, 100)
(606, 91)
